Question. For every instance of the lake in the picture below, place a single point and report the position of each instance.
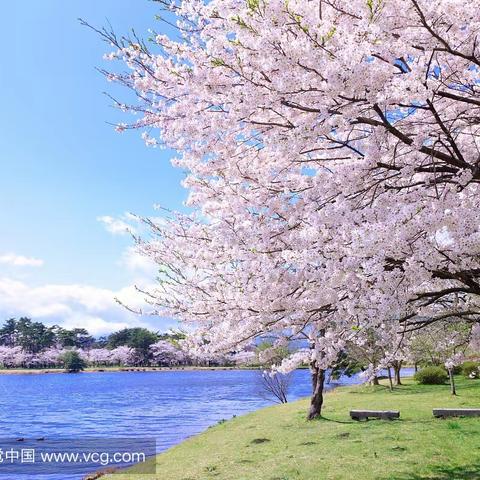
(169, 406)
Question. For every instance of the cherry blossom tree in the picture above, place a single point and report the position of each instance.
(50, 357)
(234, 293)
(99, 356)
(383, 347)
(11, 356)
(444, 344)
(164, 353)
(243, 358)
(333, 164)
(123, 355)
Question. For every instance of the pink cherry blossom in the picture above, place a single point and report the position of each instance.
(333, 169)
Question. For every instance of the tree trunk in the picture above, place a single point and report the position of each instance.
(316, 402)
(375, 380)
(390, 378)
(416, 367)
(453, 390)
(397, 366)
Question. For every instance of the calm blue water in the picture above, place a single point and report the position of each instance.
(168, 405)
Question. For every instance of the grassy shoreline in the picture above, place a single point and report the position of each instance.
(277, 443)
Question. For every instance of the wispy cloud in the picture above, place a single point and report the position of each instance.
(139, 264)
(119, 226)
(15, 260)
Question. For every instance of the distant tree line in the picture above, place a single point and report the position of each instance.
(25, 343)
(34, 337)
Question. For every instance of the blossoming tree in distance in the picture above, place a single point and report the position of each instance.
(333, 164)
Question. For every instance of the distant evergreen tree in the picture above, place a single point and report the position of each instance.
(73, 362)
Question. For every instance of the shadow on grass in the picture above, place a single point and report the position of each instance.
(443, 472)
(325, 419)
(370, 421)
(397, 390)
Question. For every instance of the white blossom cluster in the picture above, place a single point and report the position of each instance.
(332, 155)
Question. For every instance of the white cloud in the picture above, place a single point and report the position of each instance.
(75, 306)
(15, 260)
(81, 305)
(139, 264)
(119, 226)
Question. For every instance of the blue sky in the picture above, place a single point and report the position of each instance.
(62, 165)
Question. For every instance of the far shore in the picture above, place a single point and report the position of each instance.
(38, 371)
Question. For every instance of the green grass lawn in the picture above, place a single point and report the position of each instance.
(277, 443)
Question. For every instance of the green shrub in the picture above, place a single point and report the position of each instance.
(73, 362)
(457, 370)
(431, 376)
(470, 369)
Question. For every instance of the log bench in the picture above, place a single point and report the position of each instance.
(456, 412)
(366, 414)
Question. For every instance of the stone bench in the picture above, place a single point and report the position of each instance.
(456, 412)
(366, 414)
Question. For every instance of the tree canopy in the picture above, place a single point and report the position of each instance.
(333, 165)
